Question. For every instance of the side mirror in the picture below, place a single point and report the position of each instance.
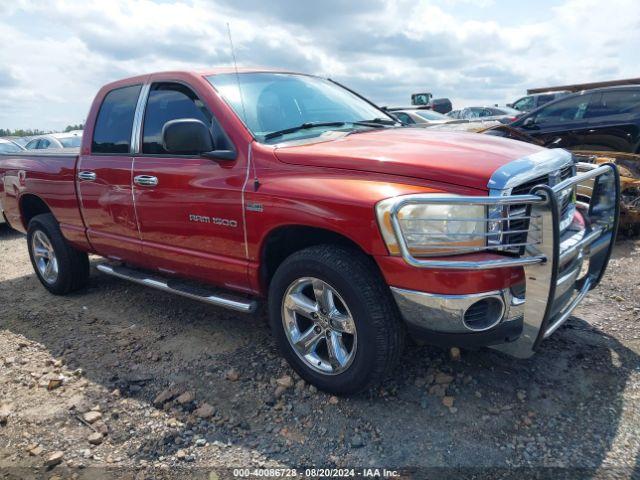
(186, 136)
(529, 123)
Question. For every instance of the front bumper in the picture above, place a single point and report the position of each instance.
(559, 270)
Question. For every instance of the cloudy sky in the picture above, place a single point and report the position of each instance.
(55, 54)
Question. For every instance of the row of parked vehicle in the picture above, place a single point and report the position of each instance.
(424, 117)
(509, 112)
(599, 119)
(55, 141)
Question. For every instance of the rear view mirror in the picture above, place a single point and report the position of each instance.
(186, 136)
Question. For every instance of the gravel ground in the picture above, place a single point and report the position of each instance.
(120, 381)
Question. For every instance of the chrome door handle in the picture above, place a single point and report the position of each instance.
(88, 176)
(145, 180)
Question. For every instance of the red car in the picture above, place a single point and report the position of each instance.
(236, 187)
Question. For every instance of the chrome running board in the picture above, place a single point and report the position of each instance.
(179, 287)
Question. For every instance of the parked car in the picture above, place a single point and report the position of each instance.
(419, 116)
(55, 140)
(292, 189)
(599, 119)
(502, 114)
(531, 102)
(9, 146)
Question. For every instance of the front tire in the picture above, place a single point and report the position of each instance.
(334, 319)
(60, 268)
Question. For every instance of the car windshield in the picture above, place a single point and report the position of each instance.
(431, 115)
(70, 142)
(275, 102)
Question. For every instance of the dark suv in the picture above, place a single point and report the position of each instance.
(599, 119)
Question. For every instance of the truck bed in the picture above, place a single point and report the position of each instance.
(47, 176)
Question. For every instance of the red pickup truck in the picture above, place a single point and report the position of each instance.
(231, 187)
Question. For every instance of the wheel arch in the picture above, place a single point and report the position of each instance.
(30, 206)
(283, 241)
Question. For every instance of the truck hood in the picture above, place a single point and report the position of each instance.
(465, 159)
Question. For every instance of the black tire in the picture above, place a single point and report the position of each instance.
(73, 265)
(380, 332)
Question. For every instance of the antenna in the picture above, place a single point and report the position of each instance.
(235, 66)
(256, 182)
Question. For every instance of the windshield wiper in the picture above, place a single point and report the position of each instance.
(374, 123)
(378, 122)
(304, 126)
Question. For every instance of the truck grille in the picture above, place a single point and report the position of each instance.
(517, 217)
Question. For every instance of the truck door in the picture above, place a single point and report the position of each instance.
(189, 207)
(104, 178)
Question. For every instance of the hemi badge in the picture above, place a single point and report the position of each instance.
(255, 207)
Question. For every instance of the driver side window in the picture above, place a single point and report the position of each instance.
(567, 110)
(169, 101)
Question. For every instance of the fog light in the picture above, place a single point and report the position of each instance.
(483, 314)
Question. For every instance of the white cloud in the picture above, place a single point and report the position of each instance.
(56, 54)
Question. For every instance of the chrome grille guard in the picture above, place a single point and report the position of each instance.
(552, 261)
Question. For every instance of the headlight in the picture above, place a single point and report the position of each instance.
(434, 229)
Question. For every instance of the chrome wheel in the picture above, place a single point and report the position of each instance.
(44, 257)
(319, 325)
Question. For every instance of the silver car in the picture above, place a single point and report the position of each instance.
(420, 117)
(71, 139)
(7, 147)
(502, 114)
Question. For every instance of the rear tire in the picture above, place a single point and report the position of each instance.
(60, 268)
(362, 304)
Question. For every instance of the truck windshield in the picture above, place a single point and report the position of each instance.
(281, 103)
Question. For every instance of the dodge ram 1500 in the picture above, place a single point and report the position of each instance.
(231, 187)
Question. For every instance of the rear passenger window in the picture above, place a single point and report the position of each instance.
(616, 102)
(621, 101)
(169, 101)
(112, 133)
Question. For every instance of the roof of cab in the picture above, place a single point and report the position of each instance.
(196, 73)
(223, 70)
